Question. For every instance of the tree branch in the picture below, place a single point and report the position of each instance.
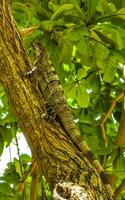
(28, 31)
(22, 183)
(106, 116)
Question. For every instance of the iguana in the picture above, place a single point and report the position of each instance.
(49, 85)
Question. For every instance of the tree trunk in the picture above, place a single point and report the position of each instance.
(69, 174)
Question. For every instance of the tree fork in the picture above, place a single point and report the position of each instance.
(67, 172)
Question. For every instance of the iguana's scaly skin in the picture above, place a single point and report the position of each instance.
(49, 84)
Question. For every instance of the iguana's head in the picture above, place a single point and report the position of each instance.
(39, 49)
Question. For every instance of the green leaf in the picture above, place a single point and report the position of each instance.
(19, 196)
(25, 158)
(62, 9)
(121, 13)
(111, 66)
(66, 52)
(71, 91)
(5, 197)
(83, 46)
(94, 83)
(82, 96)
(76, 34)
(5, 188)
(76, 6)
(43, 13)
(101, 53)
(81, 73)
(86, 119)
(119, 166)
(110, 70)
(119, 40)
(92, 7)
(53, 7)
(1, 144)
(46, 25)
(6, 134)
(22, 7)
(9, 118)
(17, 166)
(106, 7)
(10, 174)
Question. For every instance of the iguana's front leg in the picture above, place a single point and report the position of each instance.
(50, 114)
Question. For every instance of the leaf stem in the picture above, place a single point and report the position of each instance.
(107, 16)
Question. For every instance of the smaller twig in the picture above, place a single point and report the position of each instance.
(106, 116)
(43, 189)
(104, 137)
(111, 107)
(28, 31)
(32, 168)
(91, 38)
(34, 185)
(18, 152)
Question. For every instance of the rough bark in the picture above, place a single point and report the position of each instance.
(69, 174)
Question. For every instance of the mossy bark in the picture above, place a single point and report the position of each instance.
(58, 159)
